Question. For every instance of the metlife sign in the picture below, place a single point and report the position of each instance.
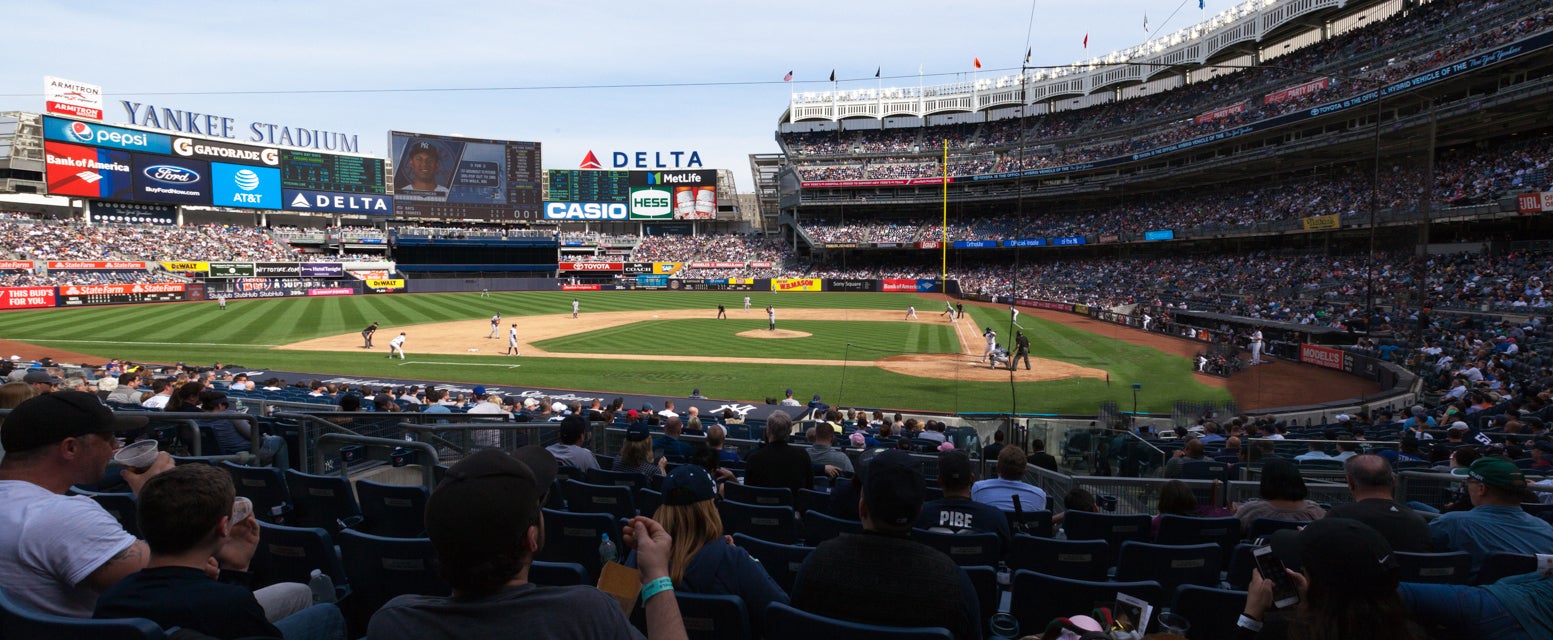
(673, 178)
(245, 186)
(586, 211)
(327, 202)
(97, 135)
(651, 203)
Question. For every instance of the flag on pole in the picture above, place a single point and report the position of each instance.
(1145, 23)
(1202, 4)
(788, 77)
(977, 62)
(877, 70)
(1086, 41)
(832, 75)
(1027, 55)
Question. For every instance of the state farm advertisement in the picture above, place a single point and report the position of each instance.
(601, 267)
(899, 285)
(84, 295)
(1321, 356)
(70, 265)
(26, 297)
(12, 265)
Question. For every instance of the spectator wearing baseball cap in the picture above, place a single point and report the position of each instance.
(1347, 578)
(572, 450)
(701, 560)
(956, 512)
(485, 523)
(668, 443)
(1542, 456)
(59, 552)
(879, 576)
(41, 381)
(1496, 521)
(636, 452)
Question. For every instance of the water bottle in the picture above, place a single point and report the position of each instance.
(606, 549)
(322, 586)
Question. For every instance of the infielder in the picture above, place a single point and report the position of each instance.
(771, 316)
(512, 339)
(1015, 313)
(221, 300)
(746, 303)
(574, 308)
(366, 334)
(911, 312)
(722, 314)
(992, 342)
(396, 346)
(495, 326)
(1256, 346)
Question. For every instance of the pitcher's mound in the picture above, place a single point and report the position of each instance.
(779, 333)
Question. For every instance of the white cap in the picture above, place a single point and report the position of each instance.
(1343, 417)
(1459, 425)
(530, 403)
(558, 407)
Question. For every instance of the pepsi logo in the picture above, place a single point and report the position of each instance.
(171, 174)
(81, 131)
(246, 180)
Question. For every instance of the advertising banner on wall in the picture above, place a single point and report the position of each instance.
(838, 284)
(796, 284)
(89, 265)
(71, 98)
(16, 265)
(231, 270)
(170, 180)
(85, 295)
(928, 285)
(899, 285)
(1321, 223)
(1538, 202)
(87, 172)
(597, 267)
(323, 270)
(1321, 356)
(637, 268)
(255, 288)
(385, 285)
(26, 297)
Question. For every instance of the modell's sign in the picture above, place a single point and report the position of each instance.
(717, 265)
(590, 266)
(1321, 356)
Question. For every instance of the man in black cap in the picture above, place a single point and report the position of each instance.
(1021, 350)
(956, 511)
(484, 521)
(41, 381)
(58, 552)
(879, 576)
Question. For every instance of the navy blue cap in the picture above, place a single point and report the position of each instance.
(688, 484)
(638, 432)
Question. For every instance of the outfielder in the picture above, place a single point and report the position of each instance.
(366, 334)
(1256, 346)
(1015, 311)
(396, 346)
(746, 303)
(512, 339)
(221, 300)
(495, 326)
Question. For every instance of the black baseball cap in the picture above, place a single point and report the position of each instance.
(39, 376)
(954, 467)
(573, 426)
(425, 147)
(1349, 556)
(688, 484)
(638, 432)
(52, 417)
(894, 489)
(483, 506)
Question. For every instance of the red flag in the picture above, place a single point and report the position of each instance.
(977, 62)
(788, 77)
(1086, 41)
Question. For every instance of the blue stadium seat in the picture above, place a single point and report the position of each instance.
(568, 472)
(966, 549)
(1077, 559)
(19, 622)
(988, 596)
(1169, 565)
(1453, 567)
(392, 510)
(322, 501)
(818, 527)
(781, 561)
(119, 505)
(1038, 598)
(557, 574)
(1112, 528)
(648, 501)
(805, 500)
(760, 496)
(1263, 527)
(617, 478)
(713, 617)
(265, 487)
(776, 524)
(381, 568)
(1500, 564)
(1205, 470)
(615, 500)
(290, 554)
(783, 621)
(1179, 530)
(1212, 612)
(575, 537)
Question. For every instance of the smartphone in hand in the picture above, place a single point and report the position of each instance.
(1285, 593)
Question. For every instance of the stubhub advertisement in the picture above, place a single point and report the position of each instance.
(97, 135)
(87, 172)
(171, 180)
(245, 186)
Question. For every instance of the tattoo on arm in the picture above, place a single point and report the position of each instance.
(132, 552)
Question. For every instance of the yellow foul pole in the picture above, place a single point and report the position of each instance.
(943, 245)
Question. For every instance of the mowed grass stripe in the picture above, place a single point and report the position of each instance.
(830, 339)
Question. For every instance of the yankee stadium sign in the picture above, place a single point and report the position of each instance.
(202, 124)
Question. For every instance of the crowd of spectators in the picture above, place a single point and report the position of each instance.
(77, 241)
(730, 247)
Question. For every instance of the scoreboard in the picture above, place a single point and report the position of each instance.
(328, 172)
(578, 185)
(450, 177)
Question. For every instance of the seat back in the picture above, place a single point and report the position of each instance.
(19, 621)
(760, 496)
(264, 486)
(1112, 528)
(290, 554)
(326, 502)
(783, 621)
(985, 580)
(1238, 572)
(818, 527)
(1179, 530)
(557, 574)
(392, 510)
(1212, 612)
(617, 478)
(776, 524)
(648, 501)
(1077, 559)
(811, 500)
(1454, 567)
(119, 505)
(575, 537)
(380, 568)
(1035, 523)
(781, 561)
(584, 497)
(1500, 564)
(1038, 598)
(1205, 470)
(1169, 565)
(713, 617)
(966, 549)
(1263, 527)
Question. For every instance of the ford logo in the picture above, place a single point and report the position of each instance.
(171, 174)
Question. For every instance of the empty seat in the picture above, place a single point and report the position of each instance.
(1500, 564)
(761, 496)
(1238, 573)
(1112, 528)
(713, 617)
(1179, 530)
(1454, 567)
(985, 580)
(1077, 559)
(783, 621)
(265, 487)
(618, 478)
(776, 524)
(1212, 612)
(380, 568)
(326, 502)
(1169, 565)
(392, 510)
(584, 497)
(966, 549)
(290, 554)
(1038, 598)
(19, 621)
(648, 501)
(811, 500)
(575, 537)
(781, 561)
(818, 527)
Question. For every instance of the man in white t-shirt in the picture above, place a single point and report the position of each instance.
(58, 552)
(162, 391)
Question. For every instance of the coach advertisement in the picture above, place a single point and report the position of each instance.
(26, 297)
(796, 284)
(837, 284)
(84, 295)
(1321, 356)
(637, 268)
(899, 285)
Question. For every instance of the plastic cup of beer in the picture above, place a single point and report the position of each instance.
(241, 509)
(138, 456)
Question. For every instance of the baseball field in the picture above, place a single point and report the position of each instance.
(854, 349)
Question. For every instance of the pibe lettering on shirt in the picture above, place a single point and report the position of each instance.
(954, 519)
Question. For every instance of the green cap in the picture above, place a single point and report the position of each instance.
(1494, 472)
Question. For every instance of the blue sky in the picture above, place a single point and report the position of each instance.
(133, 49)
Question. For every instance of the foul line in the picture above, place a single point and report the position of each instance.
(462, 364)
(160, 344)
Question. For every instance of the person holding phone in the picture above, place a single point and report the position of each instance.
(1335, 578)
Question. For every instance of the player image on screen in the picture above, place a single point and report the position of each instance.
(426, 178)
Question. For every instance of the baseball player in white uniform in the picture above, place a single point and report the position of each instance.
(911, 312)
(746, 303)
(771, 316)
(992, 342)
(1146, 320)
(396, 346)
(495, 326)
(574, 308)
(1256, 346)
(1015, 314)
(512, 339)
(948, 310)
(221, 300)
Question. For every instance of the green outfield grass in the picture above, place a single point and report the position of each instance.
(246, 333)
(828, 339)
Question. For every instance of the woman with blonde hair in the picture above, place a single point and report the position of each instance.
(703, 560)
(636, 453)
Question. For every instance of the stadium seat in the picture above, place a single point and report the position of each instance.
(322, 501)
(568, 472)
(966, 549)
(554, 498)
(381, 568)
(1500, 564)
(119, 505)
(1263, 527)
(783, 621)
(20, 622)
(988, 596)
(557, 574)
(575, 537)
(760, 496)
(776, 524)
(1035, 523)
(1038, 598)
(818, 527)
(1205, 470)
(1453, 567)
(781, 561)
(1112, 528)
(1212, 612)
(265, 487)
(392, 510)
(1169, 565)
(1238, 572)
(805, 500)
(616, 478)
(1077, 559)
(647, 501)
(290, 554)
(615, 500)
(713, 617)
(1179, 530)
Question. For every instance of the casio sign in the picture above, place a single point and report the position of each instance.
(171, 174)
(651, 203)
(585, 211)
